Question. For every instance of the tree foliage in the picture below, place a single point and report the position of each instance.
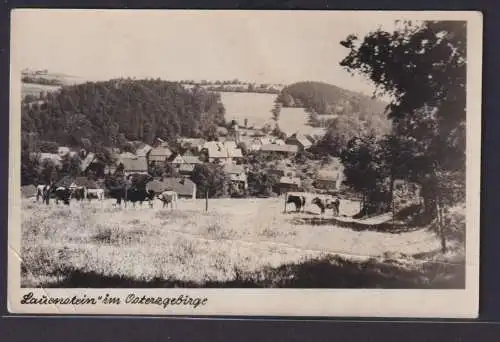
(210, 179)
(324, 98)
(112, 112)
(423, 68)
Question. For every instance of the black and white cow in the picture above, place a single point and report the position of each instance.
(78, 193)
(298, 200)
(327, 203)
(63, 194)
(140, 195)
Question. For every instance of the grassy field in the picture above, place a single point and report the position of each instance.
(237, 243)
(257, 109)
(36, 89)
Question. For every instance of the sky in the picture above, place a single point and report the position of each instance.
(255, 46)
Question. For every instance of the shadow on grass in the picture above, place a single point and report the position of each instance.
(326, 272)
(405, 220)
(386, 227)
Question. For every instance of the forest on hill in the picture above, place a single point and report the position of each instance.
(324, 98)
(113, 112)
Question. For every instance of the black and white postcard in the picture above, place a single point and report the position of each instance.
(265, 163)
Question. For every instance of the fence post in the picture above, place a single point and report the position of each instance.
(286, 195)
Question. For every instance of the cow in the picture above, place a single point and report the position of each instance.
(95, 193)
(118, 193)
(39, 191)
(63, 194)
(78, 193)
(168, 197)
(139, 195)
(298, 200)
(327, 203)
(47, 190)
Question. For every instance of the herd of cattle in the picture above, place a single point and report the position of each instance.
(122, 195)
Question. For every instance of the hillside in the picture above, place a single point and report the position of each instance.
(33, 90)
(324, 98)
(45, 77)
(112, 112)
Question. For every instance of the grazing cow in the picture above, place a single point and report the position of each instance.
(327, 203)
(168, 197)
(47, 190)
(95, 193)
(78, 193)
(39, 191)
(118, 193)
(139, 195)
(298, 200)
(63, 194)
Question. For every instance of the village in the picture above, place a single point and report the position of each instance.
(173, 170)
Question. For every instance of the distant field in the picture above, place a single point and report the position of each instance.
(35, 89)
(238, 243)
(257, 109)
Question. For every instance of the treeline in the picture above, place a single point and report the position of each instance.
(41, 80)
(114, 112)
(324, 98)
(250, 88)
(226, 82)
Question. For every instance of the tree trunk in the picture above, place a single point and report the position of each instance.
(440, 223)
(429, 196)
(206, 199)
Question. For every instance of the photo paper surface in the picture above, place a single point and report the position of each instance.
(260, 163)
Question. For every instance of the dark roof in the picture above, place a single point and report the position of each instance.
(174, 184)
(279, 148)
(300, 139)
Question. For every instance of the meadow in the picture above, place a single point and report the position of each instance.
(257, 109)
(35, 89)
(237, 243)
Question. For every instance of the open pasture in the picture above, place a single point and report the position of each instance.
(237, 243)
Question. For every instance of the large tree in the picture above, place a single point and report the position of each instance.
(422, 67)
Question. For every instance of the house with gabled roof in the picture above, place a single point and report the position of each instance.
(159, 154)
(191, 143)
(280, 149)
(184, 187)
(185, 164)
(237, 175)
(143, 150)
(287, 184)
(300, 141)
(330, 176)
(133, 163)
(53, 157)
